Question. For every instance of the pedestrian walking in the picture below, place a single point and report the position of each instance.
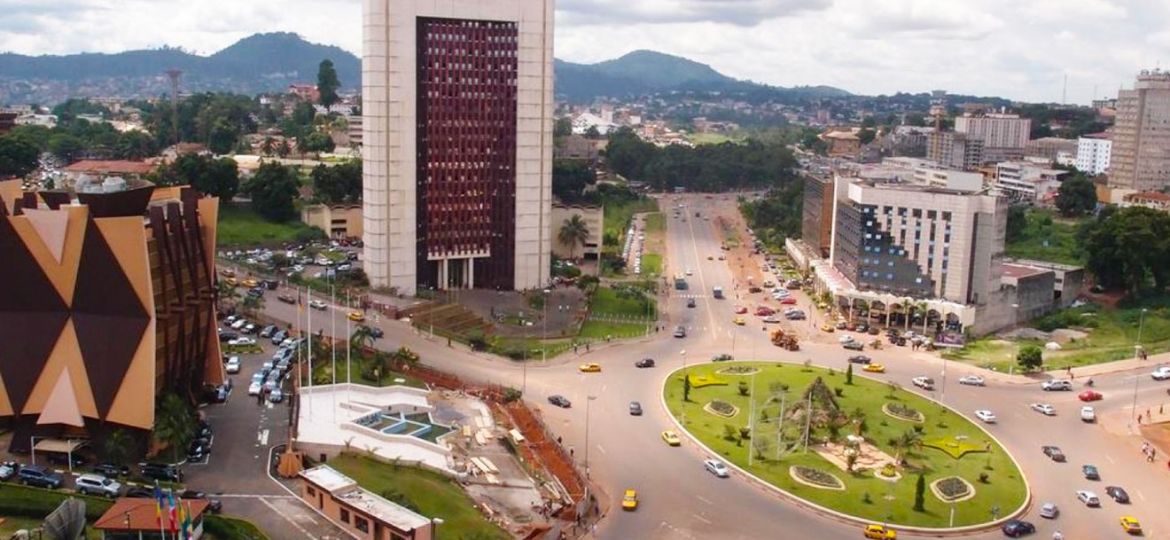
(1148, 416)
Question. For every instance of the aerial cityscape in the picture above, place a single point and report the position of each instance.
(491, 269)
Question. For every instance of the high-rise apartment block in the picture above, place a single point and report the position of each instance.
(1004, 136)
(954, 150)
(1094, 153)
(1140, 157)
(458, 106)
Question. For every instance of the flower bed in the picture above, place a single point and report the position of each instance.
(700, 381)
(738, 370)
(816, 478)
(721, 408)
(956, 448)
(903, 412)
(952, 489)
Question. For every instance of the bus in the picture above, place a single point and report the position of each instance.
(680, 282)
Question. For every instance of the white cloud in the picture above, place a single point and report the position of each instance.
(1017, 49)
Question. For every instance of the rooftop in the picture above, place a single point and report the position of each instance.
(328, 478)
(1019, 271)
(1149, 196)
(346, 489)
(110, 167)
(138, 514)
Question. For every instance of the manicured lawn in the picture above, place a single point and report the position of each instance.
(618, 215)
(323, 373)
(865, 495)
(714, 138)
(608, 302)
(651, 264)
(1046, 238)
(1112, 334)
(598, 330)
(240, 226)
(226, 528)
(432, 494)
(655, 223)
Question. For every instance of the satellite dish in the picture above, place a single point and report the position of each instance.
(67, 522)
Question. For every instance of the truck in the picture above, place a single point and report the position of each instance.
(680, 282)
(718, 292)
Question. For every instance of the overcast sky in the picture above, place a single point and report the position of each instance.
(1019, 49)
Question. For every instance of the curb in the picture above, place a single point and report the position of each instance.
(847, 518)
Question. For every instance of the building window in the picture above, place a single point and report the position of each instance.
(917, 213)
(344, 515)
(312, 492)
(361, 524)
(946, 217)
(930, 214)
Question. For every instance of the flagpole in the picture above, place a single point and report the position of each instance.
(333, 344)
(309, 341)
(348, 349)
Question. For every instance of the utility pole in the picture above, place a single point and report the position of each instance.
(751, 419)
(780, 427)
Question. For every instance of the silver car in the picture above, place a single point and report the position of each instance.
(716, 468)
(96, 484)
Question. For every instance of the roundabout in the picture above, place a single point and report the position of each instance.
(828, 438)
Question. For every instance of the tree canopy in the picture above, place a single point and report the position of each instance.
(777, 215)
(208, 175)
(1129, 247)
(569, 179)
(273, 190)
(18, 156)
(712, 168)
(327, 83)
(1077, 196)
(339, 183)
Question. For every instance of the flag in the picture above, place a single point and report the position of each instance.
(173, 517)
(187, 522)
(158, 502)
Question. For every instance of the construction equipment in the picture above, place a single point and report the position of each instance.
(784, 340)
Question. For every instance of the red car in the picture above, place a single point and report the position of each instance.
(1090, 395)
(788, 301)
(740, 310)
(764, 311)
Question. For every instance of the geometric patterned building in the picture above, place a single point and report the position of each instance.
(108, 303)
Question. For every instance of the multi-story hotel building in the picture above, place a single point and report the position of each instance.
(1140, 158)
(457, 143)
(1004, 136)
(108, 304)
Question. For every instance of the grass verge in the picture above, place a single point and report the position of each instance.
(865, 495)
(227, 528)
(1046, 239)
(240, 226)
(429, 493)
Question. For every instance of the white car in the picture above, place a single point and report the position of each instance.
(780, 293)
(972, 380)
(1088, 497)
(242, 340)
(1088, 414)
(254, 388)
(233, 364)
(845, 338)
(1161, 374)
(925, 383)
(240, 323)
(716, 468)
(317, 304)
(689, 271)
(1043, 408)
(985, 415)
(1056, 385)
(1049, 510)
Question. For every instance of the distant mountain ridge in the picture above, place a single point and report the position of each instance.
(270, 62)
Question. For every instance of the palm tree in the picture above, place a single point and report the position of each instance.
(362, 337)
(283, 150)
(907, 307)
(253, 304)
(117, 446)
(268, 146)
(921, 308)
(909, 440)
(227, 292)
(574, 231)
(172, 423)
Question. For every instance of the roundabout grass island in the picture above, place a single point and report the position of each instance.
(808, 432)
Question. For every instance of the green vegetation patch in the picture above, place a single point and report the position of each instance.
(777, 442)
(952, 489)
(651, 264)
(239, 225)
(228, 528)
(816, 478)
(428, 493)
(721, 408)
(623, 301)
(1045, 238)
(902, 411)
(701, 381)
(954, 447)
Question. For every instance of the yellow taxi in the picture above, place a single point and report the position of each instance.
(874, 368)
(671, 438)
(630, 500)
(1130, 525)
(591, 367)
(356, 316)
(880, 532)
(827, 328)
(249, 283)
(739, 321)
(227, 272)
(231, 281)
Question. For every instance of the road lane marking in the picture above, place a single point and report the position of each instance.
(701, 498)
(1110, 459)
(601, 449)
(263, 437)
(288, 518)
(703, 519)
(1140, 496)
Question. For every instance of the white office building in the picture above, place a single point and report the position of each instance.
(1094, 152)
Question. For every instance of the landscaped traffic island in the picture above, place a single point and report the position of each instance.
(867, 448)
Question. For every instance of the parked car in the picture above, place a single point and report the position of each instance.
(242, 341)
(227, 337)
(560, 401)
(214, 505)
(8, 470)
(279, 337)
(40, 476)
(96, 484)
(161, 471)
(854, 345)
(267, 331)
(1090, 472)
(276, 395)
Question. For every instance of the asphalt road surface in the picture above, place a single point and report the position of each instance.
(679, 499)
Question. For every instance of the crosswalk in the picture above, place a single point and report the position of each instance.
(695, 296)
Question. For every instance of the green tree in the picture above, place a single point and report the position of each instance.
(273, 190)
(135, 145)
(327, 83)
(65, 147)
(1077, 196)
(303, 114)
(563, 127)
(1017, 221)
(118, 446)
(319, 142)
(222, 137)
(217, 177)
(686, 387)
(172, 423)
(920, 494)
(18, 156)
(849, 374)
(866, 136)
(338, 184)
(362, 338)
(253, 304)
(574, 231)
(1030, 358)
(570, 177)
(1128, 247)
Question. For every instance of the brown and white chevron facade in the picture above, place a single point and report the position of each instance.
(107, 302)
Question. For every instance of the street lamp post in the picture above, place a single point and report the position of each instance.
(1137, 354)
(588, 401)
(435, 522)
(544, 329)
(683, 410)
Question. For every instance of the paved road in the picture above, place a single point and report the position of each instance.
(680, 500)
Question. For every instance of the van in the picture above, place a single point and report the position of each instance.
(718, 293)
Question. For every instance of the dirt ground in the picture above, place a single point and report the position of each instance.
(565, 309)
